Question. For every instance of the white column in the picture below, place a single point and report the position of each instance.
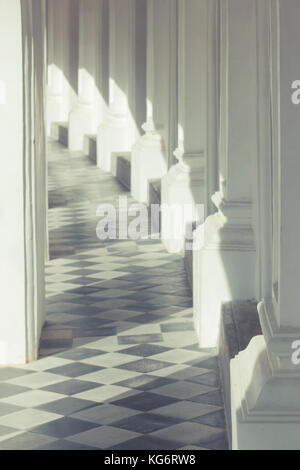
(226, 240)
(91, 107)
(62, 32)
(56, 19)
(151, 154)
(266, 376)
(120, 128)
(183, 185)
(22, 179)
(212, 103)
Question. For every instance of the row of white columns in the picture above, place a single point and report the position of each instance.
(218, 84)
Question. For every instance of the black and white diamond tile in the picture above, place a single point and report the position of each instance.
(119, 363)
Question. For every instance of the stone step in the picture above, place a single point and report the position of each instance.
(90, 147)
(122, 168)
(188, 264)
(154, 188)
(60, 132)
(239, 324)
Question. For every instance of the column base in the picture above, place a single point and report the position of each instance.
(264, 402)
(148, 161)
(223, 266)
(113, 136)
(182, 186)
(81, 122)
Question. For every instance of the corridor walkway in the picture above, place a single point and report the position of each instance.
(119, 364)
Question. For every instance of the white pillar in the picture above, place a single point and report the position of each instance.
(151, 154)
(62, 32)
(120, 129)
(91, 107)
(183, 185)
(266, 376)
(22, 179)
(227, 244)
(212, 103)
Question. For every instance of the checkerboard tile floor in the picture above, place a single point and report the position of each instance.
(119, 363)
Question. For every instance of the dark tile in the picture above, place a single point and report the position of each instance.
(145, 401)
(146, 318)
(77, 354)
(62, 444)
(87, 322)
(75, 369)
(216, 419)
(211, 363)
(144, 349)
(63, 427)
(58, 343)
(6, 409)
(138, 339)
(71, 387)
(8, 390)
(210, 398)
(83, 272)
(84, 281)
(210, 379)
(93, 332)
(218, 444)
(145, 382)
(24, 441)
(8, 373)
(81, 264)
(146, 443)
(145, 423)
(86, 290)
(66, 406)
(4, 430)
(145, 365)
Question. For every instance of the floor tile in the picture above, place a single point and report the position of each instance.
(105, 393)
(62, 444)
(110, 360)
(181, 389)
(189, 433)
(145, 401)
(8, 390)
(37, 380)
(105, 414)
(6, 409)
(27, 418)
(104, 437)
(145, 365)
(32, 398)
(63, 427)
(145, 382)
(145, 350)
(66, 406)
(7, 373)
(138, 339)
(109, 376)
(184, 410)
(145, 423)
(25, 441)
(75, 369)
(71, 387)
(146, 442)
